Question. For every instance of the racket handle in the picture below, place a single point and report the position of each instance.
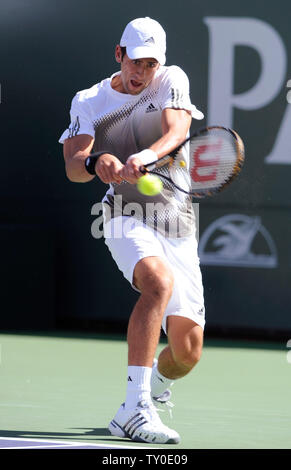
(143, 170)
(157, 164)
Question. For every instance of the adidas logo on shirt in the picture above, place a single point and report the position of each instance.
(151, 108)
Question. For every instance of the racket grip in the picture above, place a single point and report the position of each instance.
(143, 169)
(157, 164)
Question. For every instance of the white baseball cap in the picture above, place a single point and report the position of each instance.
(143, 38)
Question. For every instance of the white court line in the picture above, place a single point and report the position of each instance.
(63, 443)
(35, 447)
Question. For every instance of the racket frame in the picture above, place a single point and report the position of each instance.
(169, 159)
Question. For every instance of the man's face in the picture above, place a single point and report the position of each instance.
(136, 74)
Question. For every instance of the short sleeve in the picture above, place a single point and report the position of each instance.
(176, 92)
(81, 122)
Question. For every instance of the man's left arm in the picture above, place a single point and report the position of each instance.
(175, 126)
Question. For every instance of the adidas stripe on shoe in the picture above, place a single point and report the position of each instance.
(142, 424)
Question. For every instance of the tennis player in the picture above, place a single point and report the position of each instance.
(136, 116)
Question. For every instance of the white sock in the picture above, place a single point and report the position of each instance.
(159, 383)
(138, 385)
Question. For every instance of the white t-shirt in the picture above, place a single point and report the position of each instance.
(124, 124)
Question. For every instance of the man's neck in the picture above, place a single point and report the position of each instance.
(116, 84)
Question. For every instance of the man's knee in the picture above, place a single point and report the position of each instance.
(187, 356)
(186, 341)
(154, 278)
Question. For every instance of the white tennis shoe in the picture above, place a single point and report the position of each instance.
(142, 424)
(164, 398)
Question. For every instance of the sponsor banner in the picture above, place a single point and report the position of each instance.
(245, 261)
(238, 240)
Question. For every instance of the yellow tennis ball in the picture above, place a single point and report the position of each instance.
(182, 163)
(149, 185)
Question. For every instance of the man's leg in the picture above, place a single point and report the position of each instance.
(155, 282)
(137, 418)
(185, 338)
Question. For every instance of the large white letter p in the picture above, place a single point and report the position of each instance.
(225, 34)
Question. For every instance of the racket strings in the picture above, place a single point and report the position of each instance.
(215, 158)
(203, 165)
(175, 179)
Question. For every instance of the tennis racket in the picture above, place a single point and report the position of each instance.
(216, 158)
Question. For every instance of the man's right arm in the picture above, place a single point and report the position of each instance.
(77, 149)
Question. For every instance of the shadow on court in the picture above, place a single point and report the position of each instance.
(86, 435)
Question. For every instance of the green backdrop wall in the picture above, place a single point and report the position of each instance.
(237, 57)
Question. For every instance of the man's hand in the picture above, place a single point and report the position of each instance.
(108, 168)
(130, 172)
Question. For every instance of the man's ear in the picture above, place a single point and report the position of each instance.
(118, 54)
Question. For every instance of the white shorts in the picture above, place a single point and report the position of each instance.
(129, 241)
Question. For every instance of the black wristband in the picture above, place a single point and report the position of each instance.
(90, 161)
